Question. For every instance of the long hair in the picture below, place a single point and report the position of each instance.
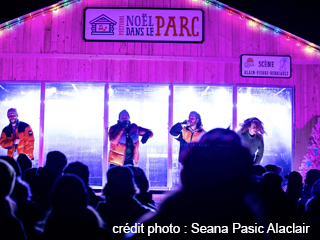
(199, 123)
(247, 123)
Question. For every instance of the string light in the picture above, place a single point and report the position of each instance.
(32, 15)
(309, 49)
(252, 23)
(287, 38)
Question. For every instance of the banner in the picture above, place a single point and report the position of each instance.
(144, 25)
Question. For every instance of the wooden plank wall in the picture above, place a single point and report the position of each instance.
(51, 48)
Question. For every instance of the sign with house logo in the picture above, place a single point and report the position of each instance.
(144, 25)
(265, 66)
(102, 25)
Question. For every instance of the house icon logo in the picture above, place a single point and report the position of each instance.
(102, 25)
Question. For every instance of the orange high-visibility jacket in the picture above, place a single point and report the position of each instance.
(185, 136)
(118, 150)
(24, 132)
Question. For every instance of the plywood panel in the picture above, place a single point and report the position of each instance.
(165, 71)
(236, 51)
(214, 72)
(77, 19)
(39, 68)
(152, 71)
(144, 71)
(103, 70)
(131, 71)
(159, 71)
(6, 68)
(69, 11)
(54, 32)
(304, 109)
(124, 68)
(88, 70)
(1, 68)
(193, 76)
(17, 70)
(186, 72)
(47, 18)
(222, 33)
(256, 39)
(207, 72)
(61, 29)
(228, 34)
(316, 91)
(46, 68)
(116, 70)
(81, 69)
(81, 42)
(27, 36)
(248, 36)
(200, 72)
(13, 39)
(137, 73)
(96, 70)
(110, 65)
(33, 69)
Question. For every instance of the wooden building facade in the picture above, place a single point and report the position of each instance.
(50, 48)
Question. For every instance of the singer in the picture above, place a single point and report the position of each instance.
(189, 131)
(251, 133)
(124, 141)
(17, 137)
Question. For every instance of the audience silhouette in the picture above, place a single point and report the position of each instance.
(120, 207)
(222, 192)
(70, 216)
(11, 227)
(24, 163)
(82, 171)
(41, 181)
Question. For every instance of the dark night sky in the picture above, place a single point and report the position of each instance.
(301, 18)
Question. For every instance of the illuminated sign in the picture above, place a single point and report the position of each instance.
(265, 66)
(144, 25)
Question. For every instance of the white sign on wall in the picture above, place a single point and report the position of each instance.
(265, 66)
(144, 25)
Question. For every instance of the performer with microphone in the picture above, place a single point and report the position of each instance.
(17, 137)
(188, 131)
(124, 141)
(251, 133)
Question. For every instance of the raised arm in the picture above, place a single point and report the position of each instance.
(115, 133)
(145, 133)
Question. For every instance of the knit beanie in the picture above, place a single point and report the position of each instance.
(12, 110)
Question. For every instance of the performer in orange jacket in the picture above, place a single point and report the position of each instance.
(17, 137)
(189, 131)
(124, 141)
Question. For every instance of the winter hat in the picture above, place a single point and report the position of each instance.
(12, 110)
